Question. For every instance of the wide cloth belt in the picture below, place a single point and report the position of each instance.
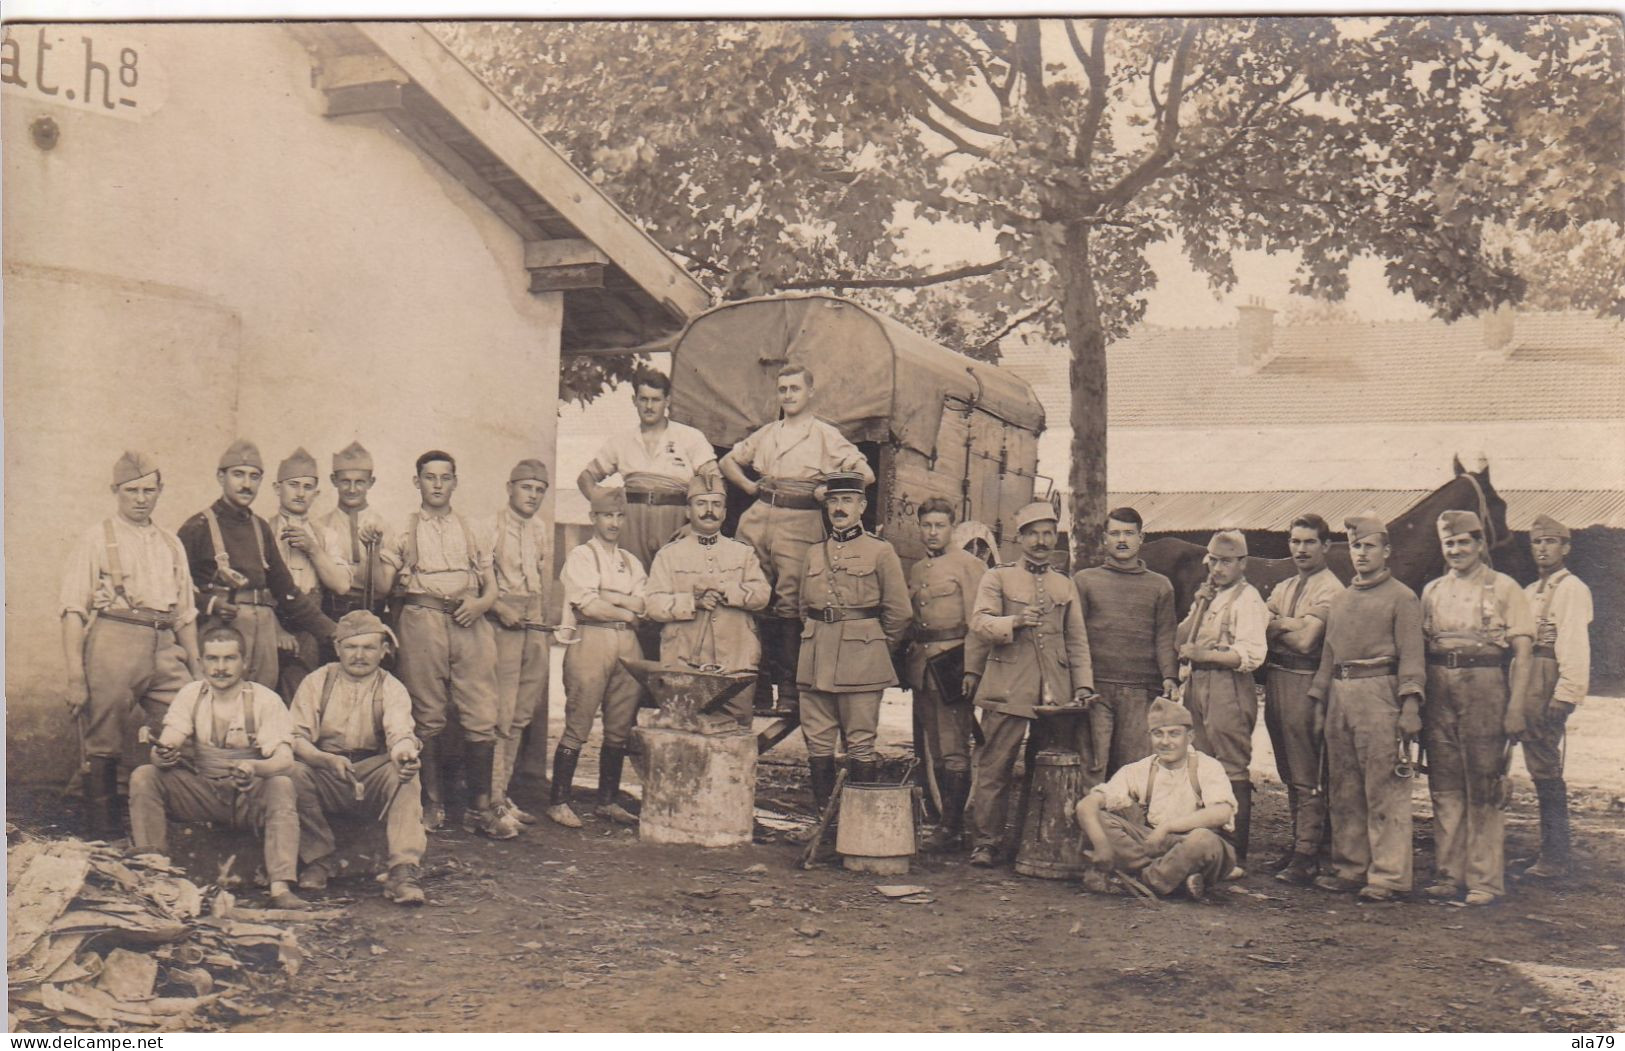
(215, 763)
(251, 597)
(836, 614)
(1365, 669)
(1546, 651)
(527, 625)
(616, 625)
(788, 501)
(146, 618)
(1458, 659)
(656, 499)
(953, 634)
(1288, 661)
(438, 603)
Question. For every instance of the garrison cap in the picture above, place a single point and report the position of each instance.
(133, 465)
(1361, 526)
(704, 485)
(1037, 511)
(529, 470)
(300, 465)
(361, 622)
(1227, 543)
(1453, 523)
(1546, 525)
(241, 453)
(840, 482)
(353, 457)
(1166, 713)
(609, 501)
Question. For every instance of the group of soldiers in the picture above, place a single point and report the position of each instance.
(199, 631)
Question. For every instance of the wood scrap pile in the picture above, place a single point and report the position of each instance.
(97, 940)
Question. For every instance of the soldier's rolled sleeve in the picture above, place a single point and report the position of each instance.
(398, 725)
(1250, 626)
(896, 612)
(1117, 792)
(579, 577)
(275, 727)
(744, 450)
(1520, 618)
(986, 622)
(302, 713)
(180, 719)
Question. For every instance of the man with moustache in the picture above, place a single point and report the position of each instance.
(703, 589)
(854, 606)
(943, 587)
(1370, 683)
(604, 587)
(1296, 724)
(1476, 622)
(238, 573)
(1129, 613)
(789, 456)
(360, 529)
(448, 651)
(225, 755)
(1160, 817)
(315, 559)
(352, 728)
(1561, 603)
(1223, 640)
(1028, 616)
(129, 630)
(522, 556)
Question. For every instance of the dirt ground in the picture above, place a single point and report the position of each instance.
(591, 930)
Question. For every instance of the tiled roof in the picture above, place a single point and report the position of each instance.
(1558, 366)
(1274, 511)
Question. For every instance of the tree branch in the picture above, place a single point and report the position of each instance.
(1015, 323)
(960, 142)
(916, 281)
(1095, 69)
(1030, 57)
(937, 100)
(1146, 172)
(1077, 45)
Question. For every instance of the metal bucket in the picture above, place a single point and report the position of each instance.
(876, 832)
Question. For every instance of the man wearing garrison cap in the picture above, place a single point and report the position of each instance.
(604, 592)
(1561, 603)
(1222, 641)
(315, 557)
(703, 588)
(522, 555)
(1160, 817)
(352, 729)
(361, 532)
(238, 572)
(1368, 688)
(129, 631)
(1479, 633)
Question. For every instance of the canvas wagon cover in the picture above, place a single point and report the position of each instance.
(874, 378)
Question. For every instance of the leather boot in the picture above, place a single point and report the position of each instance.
(821, 775)
(862, 772)
(790, 658)
(1554, 830)
(430, 771)
(767, 672)
(610, 763)
(482, 816)
(558, 795)
(1244, 817)
(101, 799)
(950, 834)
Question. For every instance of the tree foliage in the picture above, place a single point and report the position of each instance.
(975, 177)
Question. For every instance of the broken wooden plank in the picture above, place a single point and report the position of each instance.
(41, 895)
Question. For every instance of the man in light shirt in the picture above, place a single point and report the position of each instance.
(361, 530)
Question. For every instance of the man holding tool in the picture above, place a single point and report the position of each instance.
(361, 530)
(315, 558)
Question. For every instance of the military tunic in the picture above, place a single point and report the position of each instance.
(943, 590)
(854, 605)
(1025, 667)
(726, 636)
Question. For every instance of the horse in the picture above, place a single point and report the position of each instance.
(1416, 559)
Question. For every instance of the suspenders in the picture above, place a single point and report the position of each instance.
(328, 681)
(115, 568)
(222, 563)
(1151, 784)
(250, 723)
(412, 543)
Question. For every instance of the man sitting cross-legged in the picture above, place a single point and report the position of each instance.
(352, 735)
(236, 769)
(1159, 818)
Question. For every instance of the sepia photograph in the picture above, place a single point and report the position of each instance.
(1084, 523)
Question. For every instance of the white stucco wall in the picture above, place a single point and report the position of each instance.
(221, 259)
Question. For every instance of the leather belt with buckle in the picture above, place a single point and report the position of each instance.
(252, 597)
(1367, 670)
(145, 618)
(656, 499)
(1458, 659)
(836, 614)
(1293, 661)
(788, 501)
(438, 603)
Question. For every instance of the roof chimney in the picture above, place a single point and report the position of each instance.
(1255, 335)
(1498, 329)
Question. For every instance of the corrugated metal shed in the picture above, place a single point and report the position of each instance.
(1186, 512)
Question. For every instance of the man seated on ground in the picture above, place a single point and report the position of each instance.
(352, 735)
(238, 768)
(1160, 817)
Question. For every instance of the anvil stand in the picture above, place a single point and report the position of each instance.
(1051, 846)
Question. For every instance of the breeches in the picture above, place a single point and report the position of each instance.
(781, 537)
(1182, 854)
(825, 716)
(522, 674)
(1225, 710)
(1289, 715)
(1543, 741)
(946, 726)
(995, 770)
(594, 679)
(322, 792)
(446, 666)
(128, 668)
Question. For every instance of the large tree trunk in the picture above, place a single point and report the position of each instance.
(1080, 310)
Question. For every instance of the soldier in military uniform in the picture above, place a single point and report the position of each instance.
(703, 589)
(315, 558)
(789, 455)
(1030, 618)
(943, 588)
(361, 530)
(521, 557)
(129, 630)
(854, 607)
(1475, 621)
(1561, 603)
(238, 571)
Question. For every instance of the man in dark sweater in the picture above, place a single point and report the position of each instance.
(1371, 675)
(1129, 614)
